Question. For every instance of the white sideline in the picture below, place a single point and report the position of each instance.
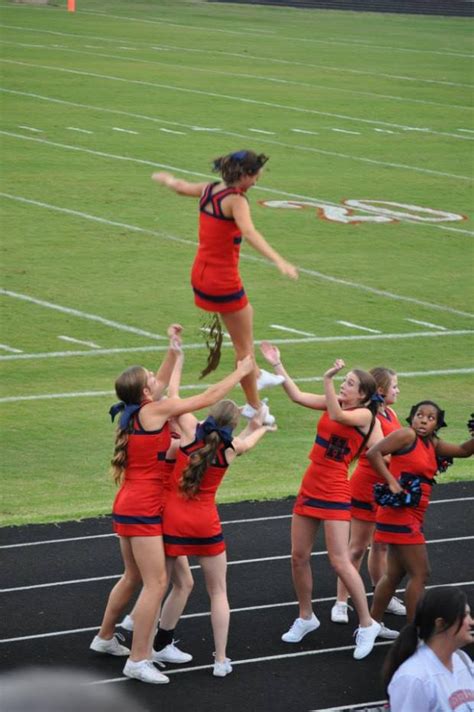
(269, 104)
(224, 523)
(248, 57)
(205, 614)
(238, 562)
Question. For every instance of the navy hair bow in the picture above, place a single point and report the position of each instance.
(210, 426)
(409, 497)
(377, 398)
(127, 412)
(239, 155)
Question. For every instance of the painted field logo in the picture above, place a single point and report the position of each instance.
(354, 211)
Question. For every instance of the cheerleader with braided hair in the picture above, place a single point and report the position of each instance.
(142, 441)
(224, 220)
(191, 524)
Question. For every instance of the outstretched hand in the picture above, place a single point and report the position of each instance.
(287, 269)
(339, 364)
(270, 352)
(245, 365)
(162, 177)
(258, 419)
(174, 332)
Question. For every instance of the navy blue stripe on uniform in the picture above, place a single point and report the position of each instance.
(362, 505)
(394, 528)
(193, 540)
(237, 240)
(221, 298)
(324, 504)
(326, 443)
(425, 480)
(128, 519)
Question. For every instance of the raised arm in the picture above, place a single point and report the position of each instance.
(164, 372)
(392, 443)
(182, 187)
(241, 215)
(251, 434)
(271, 354)
(359, 417)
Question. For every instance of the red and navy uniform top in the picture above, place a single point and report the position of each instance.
(146, 451)
(335, 444)
(389, 423)
(219, 236)
(418, 459)
(213, 474)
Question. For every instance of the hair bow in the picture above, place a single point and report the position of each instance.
(377, 398)
(239, 155)
(210, 426)
(126, 410)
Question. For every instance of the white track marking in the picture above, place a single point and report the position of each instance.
(81, 314)
(205, 614)
(30, 128)
(356, 133)
(251, 58)
(238, 562)
(79, 341)
(251, 520)
(427, 323)
(128, 131)
(173, 238)
(293, 331)
(74, 128)
(200, 346)
(225, 133)
(357, 326)
(230, 97)
(181, 133)
(359, 706)
(10, 349)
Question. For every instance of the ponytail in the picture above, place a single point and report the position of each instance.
(199, 461)
(403, 647)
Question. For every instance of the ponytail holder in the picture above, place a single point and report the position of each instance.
(377, 398)
(210, 426)
(239, 155)
(127, 412)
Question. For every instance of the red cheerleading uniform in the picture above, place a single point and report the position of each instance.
(365, 477)
(215, 277)
(405, 525)
(139, 502)
(192, 527)
(324, 492)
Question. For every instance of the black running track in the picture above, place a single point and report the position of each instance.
(56, 579)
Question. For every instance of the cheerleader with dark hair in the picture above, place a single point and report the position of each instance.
(224, 220)
(414, 455)
(425, 670)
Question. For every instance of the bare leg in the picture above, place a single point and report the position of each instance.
(239, 324)
(377, 561)
(182, 584)
(360, 537)
(387, 585)
(215, 569)
(337, 542)
(149, 556)
(303, 534)
(122, 592)
(417, 565)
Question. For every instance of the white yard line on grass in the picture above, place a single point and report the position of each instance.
(200, 346)
(10, 349)
(289, 329)
(427, 323)
(81, 314)
(247, 100)
(312, 273)
(357, 326)
(251, 58)
(70, 339)
(318, 202)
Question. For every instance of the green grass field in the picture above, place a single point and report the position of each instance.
(348, 106)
